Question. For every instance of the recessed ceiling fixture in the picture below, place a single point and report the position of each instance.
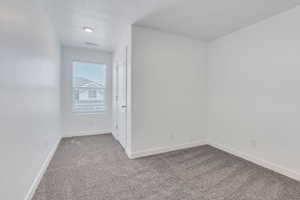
(88, 29)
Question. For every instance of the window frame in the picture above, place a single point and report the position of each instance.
(72, 82)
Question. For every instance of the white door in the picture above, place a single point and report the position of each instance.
(115, 101)
(121, 100)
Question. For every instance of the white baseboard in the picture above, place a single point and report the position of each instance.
(269, 165)
(149, 152)
(87, 133)
(41, 173)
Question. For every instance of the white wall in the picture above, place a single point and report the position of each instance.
(29, 95)
(254, 98)
(169, 91)
(75, 124)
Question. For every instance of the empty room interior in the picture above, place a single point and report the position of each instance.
(150, 100)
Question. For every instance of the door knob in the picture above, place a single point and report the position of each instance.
(124, 106)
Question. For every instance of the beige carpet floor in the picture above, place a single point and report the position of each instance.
(96, 168)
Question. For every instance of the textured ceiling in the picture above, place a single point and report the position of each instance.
(209, 19)
(108, 17)
(202, 19)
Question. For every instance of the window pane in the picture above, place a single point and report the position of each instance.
(88, 87)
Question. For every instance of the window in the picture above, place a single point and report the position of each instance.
(92, 93)
(88, 87)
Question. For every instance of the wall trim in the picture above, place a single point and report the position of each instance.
(42, 171)
(261, 162)
(154, 151)
(87, 133)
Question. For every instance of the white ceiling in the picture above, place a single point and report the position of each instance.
(108, 17)
(209, 19)
(202, 19)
